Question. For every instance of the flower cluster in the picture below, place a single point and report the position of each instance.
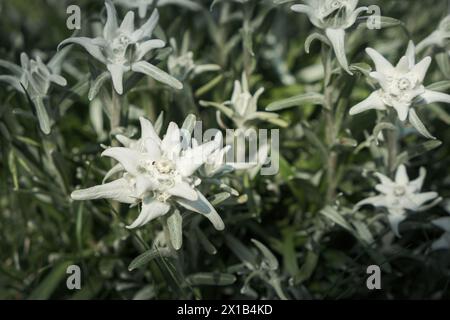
(34, 78)
(400, 196)
(333, 16)
(123, 48)
(401, 87)
(158, 174)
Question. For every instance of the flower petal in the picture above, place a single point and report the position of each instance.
(151, 209)
(118, 190)
(443, 223)
(395, 217)
(128, 158)
(145, 184)
(117, 71)
(143, 48)
(156, 73)
(184, 190)
(433, 96)
(421, 198)
(127, 25)
(194, 158)
(147, 130)
(418, 182)
(110, 29)
(401, 176)
(146, 30)
(374, 101)
(381, 64)
(402, 109)
(171, 144)
(88, 44)
(337, 39)
(376, 201)
(202, 206)
(421, 68)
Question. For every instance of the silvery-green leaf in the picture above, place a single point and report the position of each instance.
(304, 98)
(336, 217)
(244, 254)
(13, 81)
(221, 107)
(219, 198)
(417, 123)
(269, 258)
(443, 62)
(337, 39)
(97, 85)
(175, 228)
(42, 115)
(205, 243)
(439, 86)
(144, 258)
(380, 127)
(315, 36)
(159, 122)
(211, 279)
(157, 74)
(189, 123)
(14, 68)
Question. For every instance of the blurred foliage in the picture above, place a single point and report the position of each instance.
(303, 247)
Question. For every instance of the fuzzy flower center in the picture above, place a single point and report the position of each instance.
(399, 191)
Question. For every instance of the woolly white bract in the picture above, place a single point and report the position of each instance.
(158, 174)
(400, 196)
(333, 16)
(401, 87)
(123, 48)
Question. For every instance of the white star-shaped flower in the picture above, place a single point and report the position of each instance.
(36, 78)
(333, 16)
(401, 87)
(122, 48)
(157, 174)
(444, 241)
(400, 196)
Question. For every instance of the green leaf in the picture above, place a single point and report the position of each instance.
(304, 98)
(175, 228)
(211, 279)
(418, 124)
(307, 268)
(380, 127)
(219, 198)
(270, 259)
(189, 123)
(46, 287)
(315, 36)
(336, 217)
(42, 115)
(244, 254)
(97, 85)
(148, 256)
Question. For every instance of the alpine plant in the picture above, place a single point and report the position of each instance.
(158, 174)
(122, 48)
(401, 88)
(334, 17)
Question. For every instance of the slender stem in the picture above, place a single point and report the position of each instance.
(330, 129)
(115, 110)
(392, 145)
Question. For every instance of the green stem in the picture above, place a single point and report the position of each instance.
(330, 128)
(392, 145)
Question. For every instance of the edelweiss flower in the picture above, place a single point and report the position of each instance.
(439, 37)
(400, 86)
(181, 62)
(400, 195)
(36, 77)
(158, 174)
(122, 48)
(142, 5)
(444, 241)
(333, 16)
